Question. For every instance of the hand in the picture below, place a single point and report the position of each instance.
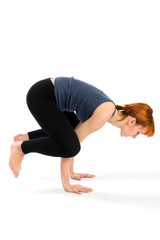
(78, 176)
(77, 189)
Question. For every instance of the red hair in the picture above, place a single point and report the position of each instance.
(142, 112)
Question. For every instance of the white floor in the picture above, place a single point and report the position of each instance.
(113, 45)
(125, 203)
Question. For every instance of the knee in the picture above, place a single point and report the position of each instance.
(72, 147)
(77, 148)
(29, 98)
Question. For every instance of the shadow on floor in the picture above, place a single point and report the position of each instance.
(130, 175)
(142, 200)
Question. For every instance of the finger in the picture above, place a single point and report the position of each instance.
(77, 191)
(75, 177)
(78, 185)
(91, 176)
(86, 191)
(83, 187)
(83, 175)
(89, 190)
(86, 175)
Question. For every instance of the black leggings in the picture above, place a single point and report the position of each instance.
(57, 137)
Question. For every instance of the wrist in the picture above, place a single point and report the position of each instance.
(65, 171)
(65, 182)
(66, 186)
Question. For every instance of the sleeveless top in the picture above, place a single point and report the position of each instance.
(74, 95)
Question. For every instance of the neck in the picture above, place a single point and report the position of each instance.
(115, 120)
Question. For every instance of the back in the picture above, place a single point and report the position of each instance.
(75, 95)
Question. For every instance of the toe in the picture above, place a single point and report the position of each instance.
(16, 174)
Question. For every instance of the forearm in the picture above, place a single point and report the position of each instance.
(71, 165)
(65, 171)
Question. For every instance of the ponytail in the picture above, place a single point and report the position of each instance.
(142, 112)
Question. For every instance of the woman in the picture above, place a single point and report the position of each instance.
(68, 110)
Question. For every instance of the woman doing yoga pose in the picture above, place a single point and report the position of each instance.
(68, 110)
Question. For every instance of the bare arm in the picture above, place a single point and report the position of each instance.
(72, 159)
(94, 123)
(65, 171)
(97, 120)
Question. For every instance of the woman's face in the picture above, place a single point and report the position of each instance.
(131, 129)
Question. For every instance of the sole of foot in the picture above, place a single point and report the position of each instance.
(16, 157)
(21, 137)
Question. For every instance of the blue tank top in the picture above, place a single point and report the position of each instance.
(74, 95)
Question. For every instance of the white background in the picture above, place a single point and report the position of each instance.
(114, 45)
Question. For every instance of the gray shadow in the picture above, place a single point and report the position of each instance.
(130, 175)
(146, 200)
(138, 200)
(56, 191)
(141, 200)
(50, 191)
(52, 179)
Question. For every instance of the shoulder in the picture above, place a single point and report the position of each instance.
(105, 109)
(100, 116)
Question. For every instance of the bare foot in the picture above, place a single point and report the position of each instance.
(21, 137)
(16, 157)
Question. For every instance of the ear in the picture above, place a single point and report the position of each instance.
(132, 121)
